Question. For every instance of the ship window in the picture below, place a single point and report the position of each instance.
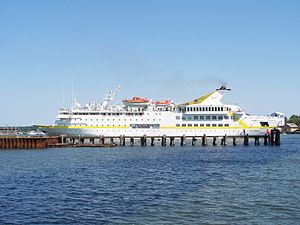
(208, 125)
(264, 124)
(206, 108)
(109, 114)
(222, 109)
(177, 117)
(220, 125)
(214, 117)
(201, 117)
(195, 125)
(208, 117)
(200, 108)
(183, 118)
(201, 125)
(226, 117)
(190, 125)
(220, 117)
(214, 125)
(188, 109)
(195, 117)
(226, 125)
(212, 108)
(183, 125)
(177, 125)
(189, 118)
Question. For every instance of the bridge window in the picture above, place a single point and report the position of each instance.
(264, 124)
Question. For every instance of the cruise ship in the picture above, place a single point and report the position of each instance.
(137, 117)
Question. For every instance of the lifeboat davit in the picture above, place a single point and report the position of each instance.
(136, 101)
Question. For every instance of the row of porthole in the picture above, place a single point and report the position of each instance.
(202, 125)
(114, 120)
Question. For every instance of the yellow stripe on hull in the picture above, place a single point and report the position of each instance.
(162, 127)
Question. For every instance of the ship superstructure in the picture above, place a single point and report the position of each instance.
(141, 116)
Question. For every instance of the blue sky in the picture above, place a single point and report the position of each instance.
(159, 49)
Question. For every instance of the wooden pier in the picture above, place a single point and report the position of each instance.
(27, 142)
(30, 142)
(272, 139)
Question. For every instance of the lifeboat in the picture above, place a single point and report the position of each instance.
(163, 103)
(136, 101)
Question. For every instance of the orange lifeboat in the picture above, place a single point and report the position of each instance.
(135, 101)
(163, 103)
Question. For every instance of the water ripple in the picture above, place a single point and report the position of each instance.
(152, 185)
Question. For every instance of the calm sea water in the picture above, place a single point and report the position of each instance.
(152, 185)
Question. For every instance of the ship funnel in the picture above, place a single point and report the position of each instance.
(223, 88)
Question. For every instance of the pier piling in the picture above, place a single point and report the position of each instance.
(172, 141)
(214, 141)
(164, 140)
(183, 140)
(131, 141)
(256, 141)
(194, 140)
(204, 140)
(102, 140)
(152, 141)
(234, 141)
(246, 140)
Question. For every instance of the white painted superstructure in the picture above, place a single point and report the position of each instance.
(137, 117)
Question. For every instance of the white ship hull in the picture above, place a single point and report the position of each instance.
(111, 132)
(203, 116)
